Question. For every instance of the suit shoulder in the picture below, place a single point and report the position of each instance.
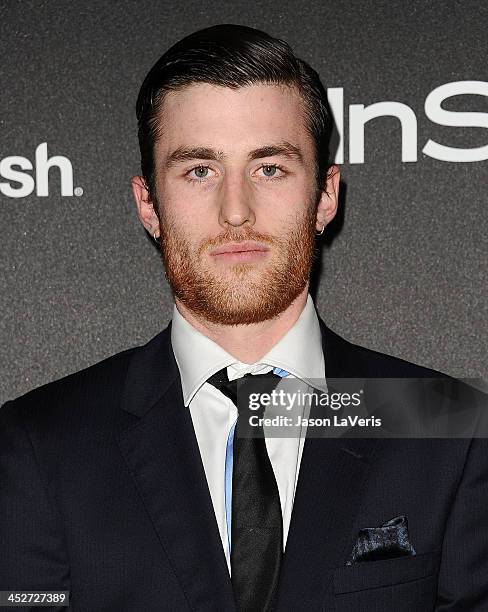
(357, 361)
(96, 381)
(389, 365)
(373, 363)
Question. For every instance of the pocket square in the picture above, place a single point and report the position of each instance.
(385, 542)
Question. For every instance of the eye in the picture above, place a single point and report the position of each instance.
(199, 174)
(272, 171)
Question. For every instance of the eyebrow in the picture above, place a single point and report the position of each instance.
(284, 149)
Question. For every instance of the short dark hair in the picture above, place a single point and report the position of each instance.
(230, 56)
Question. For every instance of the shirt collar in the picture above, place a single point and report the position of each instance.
(299, 352)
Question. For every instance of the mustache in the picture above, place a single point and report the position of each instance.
(237, 236)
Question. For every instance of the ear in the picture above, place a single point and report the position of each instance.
(329, 199)
(145, 207)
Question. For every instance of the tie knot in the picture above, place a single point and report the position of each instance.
(249, 383)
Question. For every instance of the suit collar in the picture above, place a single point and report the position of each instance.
(152, 370)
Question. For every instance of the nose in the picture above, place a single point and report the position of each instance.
(236, 206)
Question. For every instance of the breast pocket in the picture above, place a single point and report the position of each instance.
(402, 584)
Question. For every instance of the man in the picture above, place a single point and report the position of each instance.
(128, 483)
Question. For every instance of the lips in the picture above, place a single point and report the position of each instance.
(240, 247)
(240, 252)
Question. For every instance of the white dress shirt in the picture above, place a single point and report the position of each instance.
(299, 352)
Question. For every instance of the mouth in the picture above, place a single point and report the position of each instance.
(240, 251)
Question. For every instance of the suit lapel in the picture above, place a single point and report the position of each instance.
(162, 453)
(332, 475)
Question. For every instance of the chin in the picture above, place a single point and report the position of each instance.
(243, 303)
(239, 316)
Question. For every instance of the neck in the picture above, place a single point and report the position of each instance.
(248, 343)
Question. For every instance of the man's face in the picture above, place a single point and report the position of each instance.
(234, 171)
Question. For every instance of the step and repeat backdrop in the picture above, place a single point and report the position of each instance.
(403, 267)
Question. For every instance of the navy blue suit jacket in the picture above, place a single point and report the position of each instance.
(103, 493)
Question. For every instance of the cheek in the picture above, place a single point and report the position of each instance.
(176, 207)
(184, 199)
(183, 222)
(288, 192)
(284, 206)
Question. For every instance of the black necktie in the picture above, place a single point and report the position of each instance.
(257, 524)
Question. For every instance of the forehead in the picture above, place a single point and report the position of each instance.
(237, 119)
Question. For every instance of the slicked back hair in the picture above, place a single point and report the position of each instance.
(230, 56)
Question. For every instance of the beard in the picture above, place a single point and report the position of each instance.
(240, 293)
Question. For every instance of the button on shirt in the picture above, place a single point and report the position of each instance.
(299, 352)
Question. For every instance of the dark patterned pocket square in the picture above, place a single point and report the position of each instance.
(385, 542)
